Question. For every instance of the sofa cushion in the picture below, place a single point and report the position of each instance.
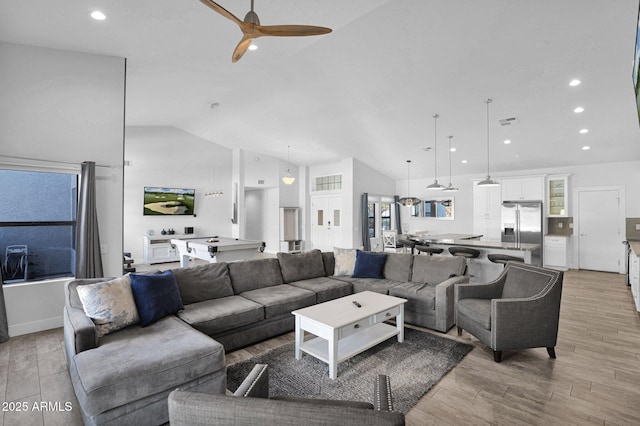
(253, 274)
(281, 299)
(398, 266)
(420, 297)
(137, 362)
(329, 262)
(301, 266)
(221, 314)
(345, 261)
(204, 282)
(325, 288)
(156, 296)
(436, 269)
(369, 265)
(478, 310)
(109, 304)
(374, 284)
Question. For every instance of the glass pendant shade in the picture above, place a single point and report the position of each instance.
(435, 186)
(288, 178)
(488, 181)
(408, 201)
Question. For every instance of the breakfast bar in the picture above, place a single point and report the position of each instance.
(481, 269)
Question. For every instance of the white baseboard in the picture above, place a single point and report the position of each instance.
(35, 326)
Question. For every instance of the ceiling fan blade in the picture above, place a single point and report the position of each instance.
(222, 11)
(291, 30)
(241, 48)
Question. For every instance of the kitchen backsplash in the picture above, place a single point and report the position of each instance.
(560, 226)
(633, 233)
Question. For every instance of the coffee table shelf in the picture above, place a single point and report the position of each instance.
(352, 345)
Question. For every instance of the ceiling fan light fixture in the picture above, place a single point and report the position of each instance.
(253, 47)
(488, 181)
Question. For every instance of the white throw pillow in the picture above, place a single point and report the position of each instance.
(109, 304)
(345, 261)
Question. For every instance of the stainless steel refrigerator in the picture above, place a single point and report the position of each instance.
(522, 223)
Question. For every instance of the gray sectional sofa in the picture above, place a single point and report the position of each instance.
(125, 377)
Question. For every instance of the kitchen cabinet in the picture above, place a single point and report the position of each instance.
(525, 188)
(487, 208)
(159, 249)
(555, 251)
(558, 196)
(634, 278)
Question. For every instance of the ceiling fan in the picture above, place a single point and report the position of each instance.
(251, 28)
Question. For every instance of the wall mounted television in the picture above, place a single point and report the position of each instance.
(168, 201)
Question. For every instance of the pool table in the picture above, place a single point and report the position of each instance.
(216, 249)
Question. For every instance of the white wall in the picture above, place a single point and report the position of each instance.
(169, 157)
(61, 106)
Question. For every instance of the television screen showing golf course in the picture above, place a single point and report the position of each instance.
(168, 201)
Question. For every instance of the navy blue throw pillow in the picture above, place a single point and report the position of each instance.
(156, 296)
(369, 265)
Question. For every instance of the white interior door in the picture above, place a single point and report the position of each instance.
(326, 223)
(598, 230)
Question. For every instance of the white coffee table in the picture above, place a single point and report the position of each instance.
(344, 330)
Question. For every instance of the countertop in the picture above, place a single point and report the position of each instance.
(470, 240)
(635, 246)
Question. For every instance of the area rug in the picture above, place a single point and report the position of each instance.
(413, 367)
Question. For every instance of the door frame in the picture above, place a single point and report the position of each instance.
(621, 222)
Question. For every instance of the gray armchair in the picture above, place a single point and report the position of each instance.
(519, 309)
(250, 406)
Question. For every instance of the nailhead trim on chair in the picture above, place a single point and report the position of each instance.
(253, 383)
(378, 396)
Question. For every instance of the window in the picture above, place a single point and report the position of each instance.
(380, 215)
(328, 183)
(385, 216)
(37, 225)
(371, 221)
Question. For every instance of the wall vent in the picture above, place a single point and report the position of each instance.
(509, 121)
(260, 181)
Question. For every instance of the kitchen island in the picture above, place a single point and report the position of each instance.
(481, 269)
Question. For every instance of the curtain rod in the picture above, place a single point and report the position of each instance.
(52, 161)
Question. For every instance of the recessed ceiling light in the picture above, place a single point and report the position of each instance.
(586, 148)
(578, 110)
(464, 161)
(98, 16)
(453, 149)
(574, 82)
(583, 131)
(507, 141)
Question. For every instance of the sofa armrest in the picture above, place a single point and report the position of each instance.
(445, 304)
(198, 409)
(256, 384)
(79, 331)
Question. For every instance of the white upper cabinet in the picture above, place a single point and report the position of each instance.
(558, 196)
(525, 188)
(487, 208)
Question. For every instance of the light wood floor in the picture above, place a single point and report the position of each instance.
(594, 380)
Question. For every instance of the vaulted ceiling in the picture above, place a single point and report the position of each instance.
(370, 88)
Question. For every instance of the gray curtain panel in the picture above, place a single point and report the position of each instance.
(88, 259)
(396, 206)
(365, 221)
(4, 325)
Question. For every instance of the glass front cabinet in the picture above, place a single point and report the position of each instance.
(558, 195)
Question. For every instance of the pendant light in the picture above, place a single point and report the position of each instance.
(450, 187)
(288, 178)
(435, 186)
(408, 201)
(488, 181)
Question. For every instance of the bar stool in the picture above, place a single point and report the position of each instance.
(465, 252)
(407, 244)
(503, 259)
(429, 250)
